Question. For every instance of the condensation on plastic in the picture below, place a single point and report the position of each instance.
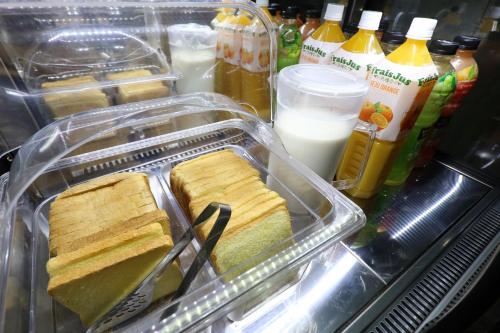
(52, 149)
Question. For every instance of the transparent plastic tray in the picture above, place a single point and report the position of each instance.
(152, 137)
(67, 54)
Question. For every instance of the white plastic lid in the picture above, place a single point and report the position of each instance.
(421, 28)
(262, 3)
(322, 80)
(370, 20)
(191, 35)
(334, 12)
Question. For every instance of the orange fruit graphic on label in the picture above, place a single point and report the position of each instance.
(366, 111)
(379, 120)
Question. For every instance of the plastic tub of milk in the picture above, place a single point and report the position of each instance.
(317, 110)
(192, 48)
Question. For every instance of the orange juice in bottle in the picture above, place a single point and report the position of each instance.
(399, 87)
(318, 47)
(362, 49)
(232, 39)
(218, 24)
(255, 61)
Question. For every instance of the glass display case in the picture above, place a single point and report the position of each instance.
(112, 87)
(63, 59)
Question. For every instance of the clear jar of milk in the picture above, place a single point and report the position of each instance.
(317, 110)
(193, 52)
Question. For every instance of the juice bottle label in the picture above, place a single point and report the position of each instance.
(219, 54)
(466, 80)
(396, 97)
(232, 38)
(357, 63)
(317, 52)
(441, 93)
(255, 51)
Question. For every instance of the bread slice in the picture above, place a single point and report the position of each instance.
(140, 91)
(86, 211)
(91, 280)
(259, 216)
(67, 103)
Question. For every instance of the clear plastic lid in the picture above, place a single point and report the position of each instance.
(75, 56)
(324, 86)
(192, 36)
(153, 137)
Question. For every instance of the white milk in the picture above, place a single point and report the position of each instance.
(316, 137)
(196, 68)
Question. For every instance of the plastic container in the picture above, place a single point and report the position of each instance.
(317, 111)
(255, 63)
(362, 50)
(193, 51)
(399, 87)
(289, 39)
(72, 58)
(317, 49)
(441, 52)
(50, 162)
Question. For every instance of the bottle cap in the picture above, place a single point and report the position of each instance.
(370, 20)
(334, 12)
(393, 37)
(467, 42)
(444, 47)
(421, 28)
(289, 13)
(384, 24)
(275, 5)
(262, 3)
(313, 13)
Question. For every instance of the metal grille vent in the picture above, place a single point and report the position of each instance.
(412, 309)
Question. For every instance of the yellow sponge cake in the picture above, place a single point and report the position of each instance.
(259, 216)
(67, 103)
(106, 236)
(140, 91)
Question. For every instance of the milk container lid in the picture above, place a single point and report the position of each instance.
(192, 35)
(421, 28)
(323, 80)
(370, 20)
(334, 12)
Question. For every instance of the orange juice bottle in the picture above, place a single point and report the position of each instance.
(318, 47)
(232, 39)
(362, 49)
(399, 87)
(217, 25)
(255, 60)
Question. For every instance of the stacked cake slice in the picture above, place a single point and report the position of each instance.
(259, 216)
(106, 236)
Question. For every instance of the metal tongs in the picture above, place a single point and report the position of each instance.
(142, 296)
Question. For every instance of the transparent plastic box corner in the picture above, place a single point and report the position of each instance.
(75, 56)
(152, 137)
